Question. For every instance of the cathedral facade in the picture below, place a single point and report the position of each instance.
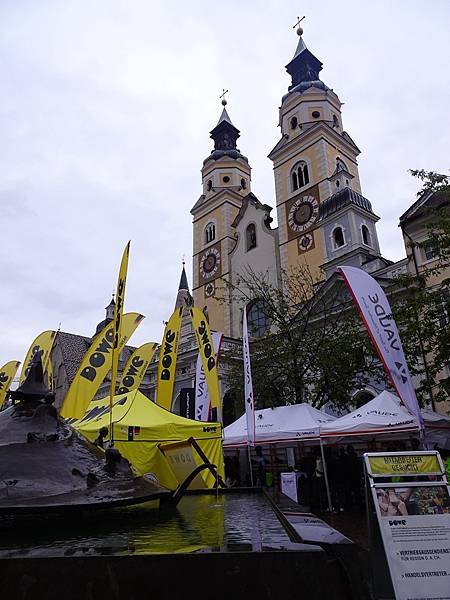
(323, 218)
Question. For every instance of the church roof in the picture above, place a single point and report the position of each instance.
(74, 347)
(340, 200)
(251, 198)
(184, 297)
(225, 136)
(111, 304)
(224, 117)
(183, 281)
(422, 206)
(304, 69)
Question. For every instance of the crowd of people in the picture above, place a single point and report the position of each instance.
(344, 469)
(345, 478)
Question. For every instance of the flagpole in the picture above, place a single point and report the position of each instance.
(325, 472)
(250, 463)
(248, 392)
(111, 396)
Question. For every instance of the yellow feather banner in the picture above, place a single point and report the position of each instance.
(136, 367)
(95, 366)
(117, 321)
(43, 344)
(206, 350)
(168, 360)
(7, 373)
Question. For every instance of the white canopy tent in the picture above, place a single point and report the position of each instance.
(386, 415)
(279, 425)
(437, 429)
(382, 415)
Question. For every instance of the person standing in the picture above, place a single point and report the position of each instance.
(260, 462)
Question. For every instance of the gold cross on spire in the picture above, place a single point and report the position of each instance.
(224, 100)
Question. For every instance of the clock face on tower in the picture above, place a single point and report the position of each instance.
(209, 263)
(303, 213)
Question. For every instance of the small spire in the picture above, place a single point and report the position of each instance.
(183, 279)
(112, 303)
(183, 289)
(304, 68)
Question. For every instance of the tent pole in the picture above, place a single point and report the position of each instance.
(250, 464)
(325, 472)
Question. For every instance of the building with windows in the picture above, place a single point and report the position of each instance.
(323, 219)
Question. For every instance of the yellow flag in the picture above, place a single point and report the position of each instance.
(136, 367)
(43, 344)
(206, 350)
(7, 373)
(168, 360)
(95, 366)
(117, 321)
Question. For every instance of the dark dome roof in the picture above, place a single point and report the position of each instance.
(304, 85)
(232, 153)
(341, 199)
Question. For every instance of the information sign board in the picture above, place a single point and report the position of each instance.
(414, 521)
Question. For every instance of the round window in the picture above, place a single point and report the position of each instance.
(226, 179)
(315, 114)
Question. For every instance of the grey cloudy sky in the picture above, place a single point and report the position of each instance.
(105, 113)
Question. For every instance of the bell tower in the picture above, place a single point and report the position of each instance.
(312, 142)
(226, 177)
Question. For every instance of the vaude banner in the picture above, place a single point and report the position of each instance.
(376, 313)
(248, 384)
(202, 400)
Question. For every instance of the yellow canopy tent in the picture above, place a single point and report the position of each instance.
(140, 426)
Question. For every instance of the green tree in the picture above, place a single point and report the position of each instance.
(314, 348)
(422, 308)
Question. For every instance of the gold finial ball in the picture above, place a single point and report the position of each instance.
(299, 30)
(224, 102)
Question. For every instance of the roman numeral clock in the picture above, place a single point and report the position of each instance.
(302, 214)
(210, 265)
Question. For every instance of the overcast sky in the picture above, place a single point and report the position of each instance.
(105, 113)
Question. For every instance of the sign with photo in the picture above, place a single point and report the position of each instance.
(413, 516)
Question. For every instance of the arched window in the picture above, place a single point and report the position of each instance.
(338, 237)
(365, 235)
(209, 185)
(294, 122)
(250, 236)
(210, 232)
(257, 319)
(340, 165)
(243, 184)
(299, 176)
(362, 397)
